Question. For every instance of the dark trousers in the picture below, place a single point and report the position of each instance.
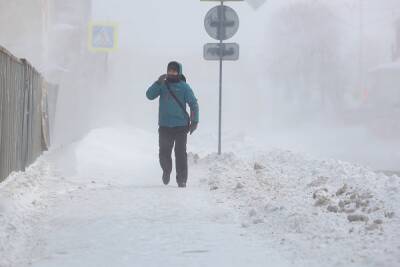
(167, 138)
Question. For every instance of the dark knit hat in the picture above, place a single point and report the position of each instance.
(173, 65)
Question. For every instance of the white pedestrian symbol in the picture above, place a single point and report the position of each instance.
(103, 37)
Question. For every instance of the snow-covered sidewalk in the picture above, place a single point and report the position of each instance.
(143, 224)
(100, 202)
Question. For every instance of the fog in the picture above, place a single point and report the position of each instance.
(297, 84)
(305, 81)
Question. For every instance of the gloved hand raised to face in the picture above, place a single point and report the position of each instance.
(161, 79)
(193, 127)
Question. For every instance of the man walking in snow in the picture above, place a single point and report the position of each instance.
(174, 121)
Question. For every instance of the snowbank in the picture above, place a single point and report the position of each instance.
(116, 154)
(21, 207)
(325, 211)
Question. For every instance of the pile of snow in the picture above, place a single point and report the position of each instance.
(115, 154)
(21, 206)
(327, 211)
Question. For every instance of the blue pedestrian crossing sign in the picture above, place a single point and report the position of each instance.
(103, 37)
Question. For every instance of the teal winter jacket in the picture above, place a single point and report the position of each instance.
(170, 113)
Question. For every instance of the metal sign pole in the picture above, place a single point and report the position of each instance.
(220, 108)
(106, 64)
(221, 25)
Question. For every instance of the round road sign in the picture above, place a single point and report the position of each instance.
(221, 22)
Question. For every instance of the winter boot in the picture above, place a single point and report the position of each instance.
(166, 178)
